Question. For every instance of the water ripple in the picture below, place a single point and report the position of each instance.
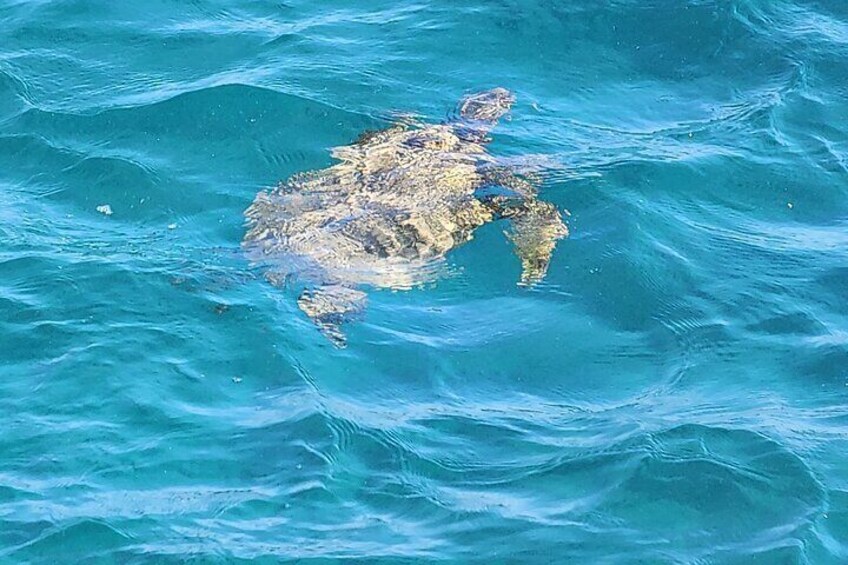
(677, 388)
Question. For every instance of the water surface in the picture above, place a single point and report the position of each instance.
(676, 390)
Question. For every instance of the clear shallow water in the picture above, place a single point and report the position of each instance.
(675, 392)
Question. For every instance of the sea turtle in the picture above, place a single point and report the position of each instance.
(389, 211)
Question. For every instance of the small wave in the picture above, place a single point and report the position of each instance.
(439, 463)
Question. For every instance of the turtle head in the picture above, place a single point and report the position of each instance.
(478, 113)
(486, 106)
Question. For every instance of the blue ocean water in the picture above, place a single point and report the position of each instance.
(675, 391)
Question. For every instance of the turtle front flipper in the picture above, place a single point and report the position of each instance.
(536, 227)
(524, 186)
(329, 306)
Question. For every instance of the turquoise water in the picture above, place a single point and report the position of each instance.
(676, 391)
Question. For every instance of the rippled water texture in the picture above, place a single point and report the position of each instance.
(676, 391)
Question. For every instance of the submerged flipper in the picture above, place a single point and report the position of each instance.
(330, 306)
(536, 227)
(523, 186)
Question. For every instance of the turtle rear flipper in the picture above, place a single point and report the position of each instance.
(330, 306)
(536, 227)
